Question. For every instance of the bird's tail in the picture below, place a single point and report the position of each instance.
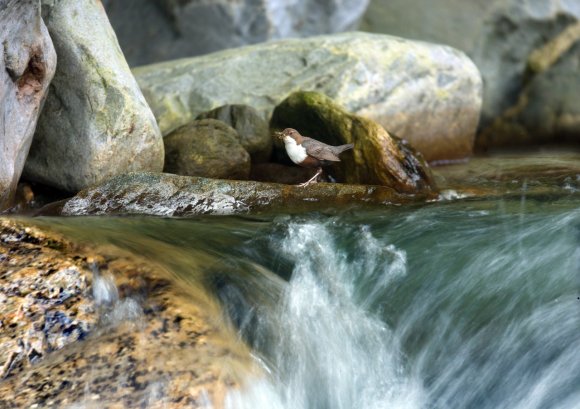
(342, 148)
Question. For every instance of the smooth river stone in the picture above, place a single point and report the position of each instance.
(527, 52)
(95, 123)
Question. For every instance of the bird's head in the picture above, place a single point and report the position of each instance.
(289, 133)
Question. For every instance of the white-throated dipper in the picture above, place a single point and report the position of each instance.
(310, 153)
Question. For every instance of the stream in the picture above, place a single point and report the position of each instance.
(455, 304)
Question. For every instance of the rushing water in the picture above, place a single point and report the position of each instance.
(473, 304)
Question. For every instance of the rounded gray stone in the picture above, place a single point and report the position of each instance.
(252, 129)
(207, 148)
(528, 53)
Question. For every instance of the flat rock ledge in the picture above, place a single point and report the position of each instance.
(163, 194)
(123, 337)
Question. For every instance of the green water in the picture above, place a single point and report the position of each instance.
(467, 304)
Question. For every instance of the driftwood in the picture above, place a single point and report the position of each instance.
(27, 65)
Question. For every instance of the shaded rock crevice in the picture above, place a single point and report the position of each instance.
(378, 158)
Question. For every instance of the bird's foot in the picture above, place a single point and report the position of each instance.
(308, 182)
(313, 179)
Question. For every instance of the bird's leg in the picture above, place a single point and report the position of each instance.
(312, 179)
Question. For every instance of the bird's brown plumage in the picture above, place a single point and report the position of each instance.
(319, 150)
(310, 153)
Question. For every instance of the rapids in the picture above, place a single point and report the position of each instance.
(466, 304)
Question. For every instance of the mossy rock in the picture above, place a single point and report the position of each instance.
(378, 158)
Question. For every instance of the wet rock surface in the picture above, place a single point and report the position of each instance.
(44, 297)
(171, 195)
(206, 148)
(95, 122)
(547, 172)
(27, 65)
(121, 337)
(378, 158)
(252, 129)
(426, 93)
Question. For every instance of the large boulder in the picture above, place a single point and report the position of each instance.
(251, 127)
(167, 29)
(527, 52)
(27, 64)
(163, 194)
(428, 94)
(377, 158)
(207, 148)
(95, 123)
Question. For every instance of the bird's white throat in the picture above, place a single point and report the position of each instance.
(296, 152)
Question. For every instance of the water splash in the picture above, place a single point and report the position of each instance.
(106, 295)
(326, 348)
(438, 308)
(445, 306)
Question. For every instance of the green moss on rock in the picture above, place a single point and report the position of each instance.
(378, 158)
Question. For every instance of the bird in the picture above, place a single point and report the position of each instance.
(310, 153)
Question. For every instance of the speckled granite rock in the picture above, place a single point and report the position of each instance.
(164, 194)
(44, 297)
(120, 336)
(428, 94)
